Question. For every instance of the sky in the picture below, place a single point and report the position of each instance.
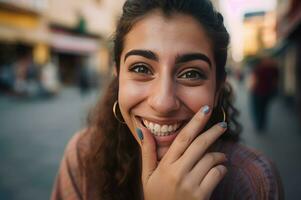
(233, 12)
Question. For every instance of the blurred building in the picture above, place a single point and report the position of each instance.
(72, 34)
(278, 34)
(288, 49)
(259, 32)
(216, 4)
(80, 33)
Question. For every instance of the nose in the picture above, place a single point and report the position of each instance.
(163, 97)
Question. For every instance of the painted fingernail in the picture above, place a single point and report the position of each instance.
(205, 109)
(139, 133)
(223, 124)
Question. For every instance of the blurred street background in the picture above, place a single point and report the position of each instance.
(55, 59)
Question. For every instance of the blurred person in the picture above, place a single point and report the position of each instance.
(33, 80)
(49, 79)
(86, 79)
(21, 67)
(173, 132)
(263, 85)
(6, 78)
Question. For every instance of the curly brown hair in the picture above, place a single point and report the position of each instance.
(113, 161)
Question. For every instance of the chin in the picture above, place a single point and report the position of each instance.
(161, 151)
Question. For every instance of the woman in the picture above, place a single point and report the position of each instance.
(167, 137)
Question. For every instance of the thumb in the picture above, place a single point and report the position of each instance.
(148, 151)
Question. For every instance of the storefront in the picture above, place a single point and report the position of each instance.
(288, 51)
(73, 53)
(23, 42)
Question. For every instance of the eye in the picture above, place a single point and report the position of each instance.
(192, 75)
(141, 69)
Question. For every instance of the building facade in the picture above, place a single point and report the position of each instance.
(288, 49)
(72, 34)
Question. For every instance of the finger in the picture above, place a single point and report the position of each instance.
(200, 146)
(211, 180)
(204, 165)
(149, 153)
(188, 134)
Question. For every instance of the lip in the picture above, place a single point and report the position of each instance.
(163, 140)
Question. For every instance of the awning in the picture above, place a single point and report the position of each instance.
(68, 43)
(13, 34)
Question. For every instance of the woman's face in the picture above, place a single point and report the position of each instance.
(167, 73)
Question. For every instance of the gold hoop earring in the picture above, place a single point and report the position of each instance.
(224, 114)
(114, 111)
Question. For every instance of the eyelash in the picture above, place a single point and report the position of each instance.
(136, 67)
(201, 75)
(142, 66)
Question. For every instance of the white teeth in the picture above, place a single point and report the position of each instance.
(164, 128)
(161, 130)
(150, 126)
(157, 128)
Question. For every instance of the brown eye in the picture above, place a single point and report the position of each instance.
(141, 69)
(192, 75)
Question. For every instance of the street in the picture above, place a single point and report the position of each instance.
(281, 142)
(34, 134)
(32, 140)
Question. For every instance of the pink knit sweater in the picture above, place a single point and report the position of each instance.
(251, 176)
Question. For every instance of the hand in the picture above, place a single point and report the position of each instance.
(187, 171)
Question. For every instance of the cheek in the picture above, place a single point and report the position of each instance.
(195, 98)
(130, 94)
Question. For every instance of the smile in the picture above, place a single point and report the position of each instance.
(162, 129)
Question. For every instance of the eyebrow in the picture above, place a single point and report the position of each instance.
(144, 53)
(193, 56)
(179, 59)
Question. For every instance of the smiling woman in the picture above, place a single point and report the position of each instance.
(173, 132)
(166, 75)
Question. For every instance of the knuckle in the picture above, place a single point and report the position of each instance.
(203, 142)
(186, 185)
(172, 176)
(185, 138)
(211, 158)
(176, 178)
(217, 157)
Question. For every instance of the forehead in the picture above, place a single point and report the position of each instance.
(167, 36)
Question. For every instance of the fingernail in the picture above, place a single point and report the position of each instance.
(223, 124)
(222, 169)
(205, 109)
(139, 133)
